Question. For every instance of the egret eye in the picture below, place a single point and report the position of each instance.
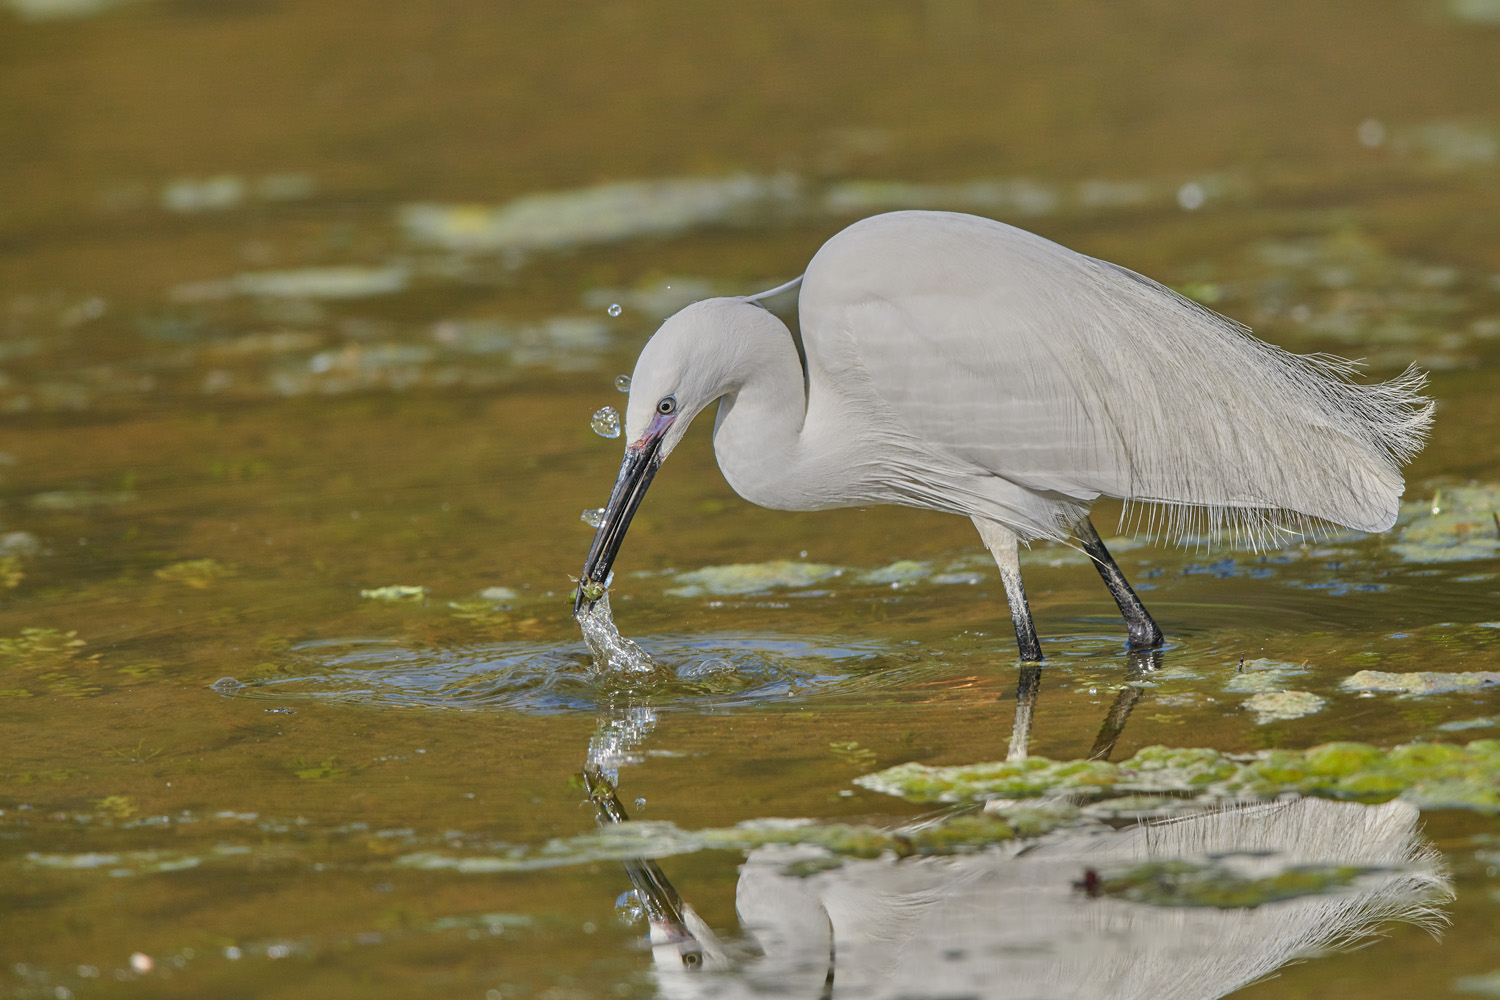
(667, 405)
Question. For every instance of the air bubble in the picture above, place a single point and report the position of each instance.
(593, 516)
(614, 309)
(622, 382)
(606, 422)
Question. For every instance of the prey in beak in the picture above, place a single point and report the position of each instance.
(642, 459)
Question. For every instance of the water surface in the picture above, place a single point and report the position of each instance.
(304, 310)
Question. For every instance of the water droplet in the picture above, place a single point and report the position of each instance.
(1191, 196)
(622, 382)
(226, 685)
(614, 309)
(606, 422)
(629, 909)
(593, 516)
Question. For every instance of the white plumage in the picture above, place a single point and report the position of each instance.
(960, 364)
(1072, 377)
(1007, 922)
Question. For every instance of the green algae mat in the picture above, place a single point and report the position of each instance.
(1430, 775)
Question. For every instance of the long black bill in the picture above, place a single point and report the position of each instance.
(642, 459)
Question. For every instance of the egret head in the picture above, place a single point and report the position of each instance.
(696, 356)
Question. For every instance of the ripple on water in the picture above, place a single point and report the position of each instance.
(709, 671)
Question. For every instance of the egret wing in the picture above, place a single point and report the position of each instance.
(1070, 376)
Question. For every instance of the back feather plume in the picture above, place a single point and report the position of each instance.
(1074, 378)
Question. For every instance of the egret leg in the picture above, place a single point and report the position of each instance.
(1143, 631)
(1004, 546)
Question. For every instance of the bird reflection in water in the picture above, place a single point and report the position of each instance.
(1011, 920)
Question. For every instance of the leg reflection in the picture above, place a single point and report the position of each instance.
(1027, 686)
(1139, 663)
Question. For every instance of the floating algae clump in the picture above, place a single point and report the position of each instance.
(200, 574)
(1034, 776)
(1263, 676)
(965, 833)
(1423, 681)
(1430, 775)
(953, 835)
(1458, 524)
(1277, 706)
(751, 578)
(902, 571)
(395, 592)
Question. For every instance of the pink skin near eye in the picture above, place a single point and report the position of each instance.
(655, 429)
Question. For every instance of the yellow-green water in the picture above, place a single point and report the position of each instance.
(276, 330)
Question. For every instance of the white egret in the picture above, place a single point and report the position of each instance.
(959, 364)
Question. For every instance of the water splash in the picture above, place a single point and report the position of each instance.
(622, 727)
(614, 309)
(622, 382)
(612, 652)
(593, 516)
(606, 422)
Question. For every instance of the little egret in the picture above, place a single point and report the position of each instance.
(959, 364)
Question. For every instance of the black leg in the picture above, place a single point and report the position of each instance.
(1004, 547)
(1143, 631)
(1020, 614)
